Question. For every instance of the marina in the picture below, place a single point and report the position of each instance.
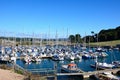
(52, 73)
(47, 66)
(59, 39)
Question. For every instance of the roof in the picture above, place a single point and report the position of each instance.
(71, 64)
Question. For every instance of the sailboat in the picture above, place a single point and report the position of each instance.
(115, 62)
(101, 53)
(102, 65)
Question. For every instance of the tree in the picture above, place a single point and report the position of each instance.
(118, 32)
(92, 39)
(72, 38)
(92, 32)
(77, 38)
(108, 35)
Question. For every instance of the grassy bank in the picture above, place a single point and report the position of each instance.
(106, 43)
(43, 43)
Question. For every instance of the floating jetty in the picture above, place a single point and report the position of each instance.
(87, 74)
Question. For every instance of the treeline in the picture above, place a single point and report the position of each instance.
(30, 39)
(103, 35)
(16, 39)
(110, 34)
(75, 38)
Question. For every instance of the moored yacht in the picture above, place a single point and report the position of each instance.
(101, 53)
(104, 65)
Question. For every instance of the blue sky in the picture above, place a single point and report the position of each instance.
(48, 16)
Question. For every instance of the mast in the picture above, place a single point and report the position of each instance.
(85, 41)
(41, 41)
(67, 37)
(29, 40)
(15, 41)
(56, 39)
(33, 40)
(89, 42)
(20, 39)
(8, 41)
(49, 36)
(63, 37)
(97, 40)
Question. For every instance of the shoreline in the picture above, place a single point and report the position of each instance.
(10, 75)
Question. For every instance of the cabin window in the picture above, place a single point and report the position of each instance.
(68, 66)
(75, 67)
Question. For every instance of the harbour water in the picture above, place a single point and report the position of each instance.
(84, 64)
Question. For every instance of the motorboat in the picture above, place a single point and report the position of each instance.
(116, 63)
(70, 57)
(111, 76)
(71, 68)
(86, 56)
(57, 57)
(104, 65)
(27, 59)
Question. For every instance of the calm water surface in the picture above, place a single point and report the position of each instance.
(82, 64)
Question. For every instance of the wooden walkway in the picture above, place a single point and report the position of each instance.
(87, 74)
